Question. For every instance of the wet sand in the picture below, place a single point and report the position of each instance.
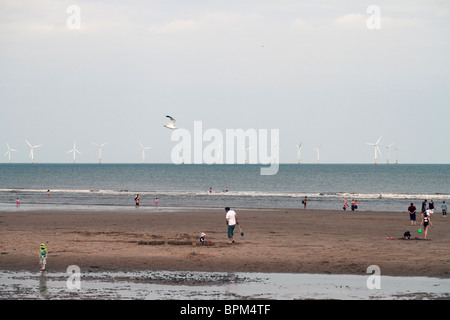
(286, 241)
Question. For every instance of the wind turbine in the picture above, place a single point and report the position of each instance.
(74, 150)
(246, 150)
(9, 152)
(143, 151)
(275, 159)
(318, 154)
(388, 152)
(180, 150)
(32, 150)
(100, 150)
(376, 148)
(396, 154)
(299, 149)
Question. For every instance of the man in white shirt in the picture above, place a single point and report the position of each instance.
(231, 218)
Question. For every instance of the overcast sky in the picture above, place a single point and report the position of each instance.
(312, 69)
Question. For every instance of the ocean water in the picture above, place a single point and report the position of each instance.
(379, 187)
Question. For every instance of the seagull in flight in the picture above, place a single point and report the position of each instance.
(171, 124)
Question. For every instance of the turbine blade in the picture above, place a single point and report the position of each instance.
(378, 149)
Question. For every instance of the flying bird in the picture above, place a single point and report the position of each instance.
(171, 124)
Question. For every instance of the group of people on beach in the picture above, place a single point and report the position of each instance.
(427, 211)
(353, 203)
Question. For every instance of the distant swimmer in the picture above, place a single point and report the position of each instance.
(17, 202)
(48, 193)
(156, 202)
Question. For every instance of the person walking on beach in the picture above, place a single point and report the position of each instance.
(43, 253)
(137, 199)
(231, 218)
(426, 221)
(444, 210)
(412, 214)
(345, 204)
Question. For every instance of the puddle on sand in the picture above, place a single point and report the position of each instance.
(159, 285)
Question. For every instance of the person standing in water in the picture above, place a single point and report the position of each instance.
(424, 206)
(431, 206)
(345, 204)
(305, 201)
(444, 210)
(137, 199)
(156, 202)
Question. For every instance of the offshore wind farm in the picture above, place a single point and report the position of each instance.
(219, 153)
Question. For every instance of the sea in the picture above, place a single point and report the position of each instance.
(381, 187)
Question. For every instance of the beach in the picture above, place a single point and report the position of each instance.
(274, 240)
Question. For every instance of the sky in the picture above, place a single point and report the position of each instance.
(330, 74)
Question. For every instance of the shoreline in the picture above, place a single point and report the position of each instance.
(58, 206)
(275, 241)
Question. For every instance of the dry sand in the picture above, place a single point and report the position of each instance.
(278, 240)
